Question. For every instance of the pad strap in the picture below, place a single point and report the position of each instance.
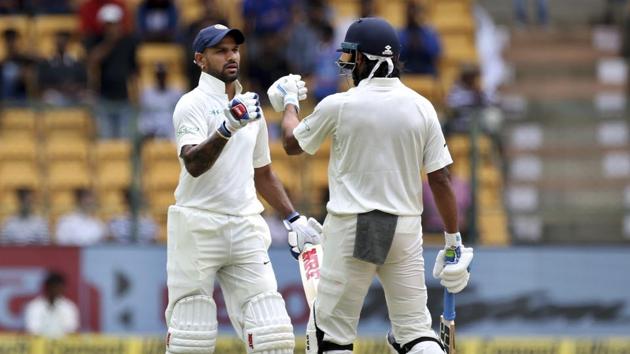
(323, 345)
(404, 349)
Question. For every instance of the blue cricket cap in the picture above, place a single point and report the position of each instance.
(212, 35)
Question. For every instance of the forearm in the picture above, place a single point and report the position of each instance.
(444, 199)
(270, 188)
(200, 158)
(290, 120)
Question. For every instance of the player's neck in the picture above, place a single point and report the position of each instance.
(230, 89)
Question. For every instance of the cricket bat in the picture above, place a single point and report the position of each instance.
(309, 261)
(447, 319)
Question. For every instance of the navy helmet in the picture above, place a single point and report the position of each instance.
(372, 35)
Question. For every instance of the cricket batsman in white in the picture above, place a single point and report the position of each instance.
(215, 229)
(383, 135)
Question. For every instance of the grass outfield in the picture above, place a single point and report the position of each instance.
(96, 344)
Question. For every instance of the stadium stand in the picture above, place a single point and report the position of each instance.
(66, 137)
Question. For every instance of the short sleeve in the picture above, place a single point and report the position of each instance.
(436, 154)
(262, 156)
(190, 126)
(314, 129)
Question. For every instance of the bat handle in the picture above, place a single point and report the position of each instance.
(449, 306)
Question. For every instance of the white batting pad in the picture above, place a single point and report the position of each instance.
(267, 327)
(426, 348)
(193, 326)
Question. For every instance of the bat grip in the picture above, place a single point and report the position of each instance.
(449, 306)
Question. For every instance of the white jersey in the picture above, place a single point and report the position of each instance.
(383, 134)
(228, 186)
(53, 321)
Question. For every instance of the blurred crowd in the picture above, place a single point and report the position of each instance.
(79, 227)
(98, 67)
(282, 36)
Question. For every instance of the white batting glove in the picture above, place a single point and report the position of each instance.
(289, 89)
(242, 110)
(302, 231)
(452, 264)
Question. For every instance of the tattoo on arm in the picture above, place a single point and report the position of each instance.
(200, 158)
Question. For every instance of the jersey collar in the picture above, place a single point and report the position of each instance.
(213, 86)
(381, 82)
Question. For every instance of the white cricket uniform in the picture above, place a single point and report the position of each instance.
(383, 135)
(215, 229)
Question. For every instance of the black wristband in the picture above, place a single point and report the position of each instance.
(293, 216)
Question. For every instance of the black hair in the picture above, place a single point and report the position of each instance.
(380, 72)
(10, 34)
(80, 193)
(54, 278)
(23, 192)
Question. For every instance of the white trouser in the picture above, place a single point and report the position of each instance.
(204, 245)
(345, 281)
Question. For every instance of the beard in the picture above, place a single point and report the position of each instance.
(223, 74)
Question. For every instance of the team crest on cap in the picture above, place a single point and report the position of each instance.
(388, 50)
(220, 27)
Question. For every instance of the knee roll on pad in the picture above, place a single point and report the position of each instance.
(192, 327)
(267, 327)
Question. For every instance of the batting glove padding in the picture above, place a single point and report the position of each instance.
(289, 89)
(452, 266)
(302, 231)
(242, 110)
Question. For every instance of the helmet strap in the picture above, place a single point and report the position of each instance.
(380, 60)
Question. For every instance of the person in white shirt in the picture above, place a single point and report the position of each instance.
(383, 135)
(122, 228)
(51, 314)
(215, 230)
(156, 106)
(81, 227)
(25, 227)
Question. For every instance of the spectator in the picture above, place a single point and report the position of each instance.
(520, 12)
(12, 7)
(90, 24)
(51, 6)
(25, 227)
(113, 57)
(464, 97)
(301, 50)
(421, 47)
(466, 101)
(16, 70)
(265, 27)
(326, 80)
(62, 78)
(211, 15)
(367, 8)
(157, 20)
(121, 227)
(52, 314)
(80, 227)
(157, 105)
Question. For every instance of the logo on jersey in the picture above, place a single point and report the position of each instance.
(388, 50)
(184, 130)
